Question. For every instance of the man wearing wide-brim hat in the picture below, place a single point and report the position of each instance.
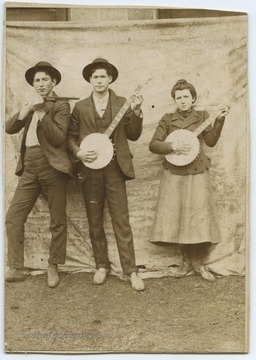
(94, 115)
(44, 168)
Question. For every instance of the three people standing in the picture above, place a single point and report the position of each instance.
(185, 211)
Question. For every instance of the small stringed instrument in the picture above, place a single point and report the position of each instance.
(190, 138)
(60, 98)
(101, 142)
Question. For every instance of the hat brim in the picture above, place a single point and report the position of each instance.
(30, 73)
(88, 69)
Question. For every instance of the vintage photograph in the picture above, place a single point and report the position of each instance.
(126, 176)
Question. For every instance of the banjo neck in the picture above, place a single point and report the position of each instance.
(207, 122)
(123, 110)
(203, 126)
(118, 117)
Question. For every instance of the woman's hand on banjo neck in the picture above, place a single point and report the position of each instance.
(224, 111)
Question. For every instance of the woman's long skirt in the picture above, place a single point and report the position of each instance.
(185, 212)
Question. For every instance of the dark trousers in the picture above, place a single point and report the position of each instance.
(108, 183)
(39, 177)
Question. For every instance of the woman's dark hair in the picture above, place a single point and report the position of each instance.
(184, 85)
(100, 66)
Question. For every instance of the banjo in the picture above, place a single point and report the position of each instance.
(190, 138)
(101, 142)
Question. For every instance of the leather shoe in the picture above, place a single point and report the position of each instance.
(136, 282)
(100, 276)
(14, 275)
(52, 275)
(183, 270)
(207, 275)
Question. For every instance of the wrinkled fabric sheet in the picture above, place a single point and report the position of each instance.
(212, 54)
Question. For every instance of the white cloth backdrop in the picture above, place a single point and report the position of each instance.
(212, 54)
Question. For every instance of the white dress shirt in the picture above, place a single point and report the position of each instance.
(31, 139)
(101, 103)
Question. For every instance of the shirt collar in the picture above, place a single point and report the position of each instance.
(101, 100)
(177, 115)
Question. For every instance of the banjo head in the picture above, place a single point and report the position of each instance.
(188, 137)
(104, 147)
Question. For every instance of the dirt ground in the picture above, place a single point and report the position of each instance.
(186, 315)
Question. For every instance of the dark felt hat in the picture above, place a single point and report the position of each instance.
(42, 66)
(88, 68)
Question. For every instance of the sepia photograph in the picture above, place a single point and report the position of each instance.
(126, 172)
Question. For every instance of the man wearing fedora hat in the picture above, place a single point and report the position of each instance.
(95, 114)
(44, 167)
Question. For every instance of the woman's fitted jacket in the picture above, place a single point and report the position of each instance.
(174, 121)
(51, 133)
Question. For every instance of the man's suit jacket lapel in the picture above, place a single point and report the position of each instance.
(116, 104)
(88, 105)
(46, 107)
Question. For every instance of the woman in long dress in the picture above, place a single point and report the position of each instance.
(185, 212)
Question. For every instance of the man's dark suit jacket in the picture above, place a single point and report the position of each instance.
(51, 133)
(83, 123)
